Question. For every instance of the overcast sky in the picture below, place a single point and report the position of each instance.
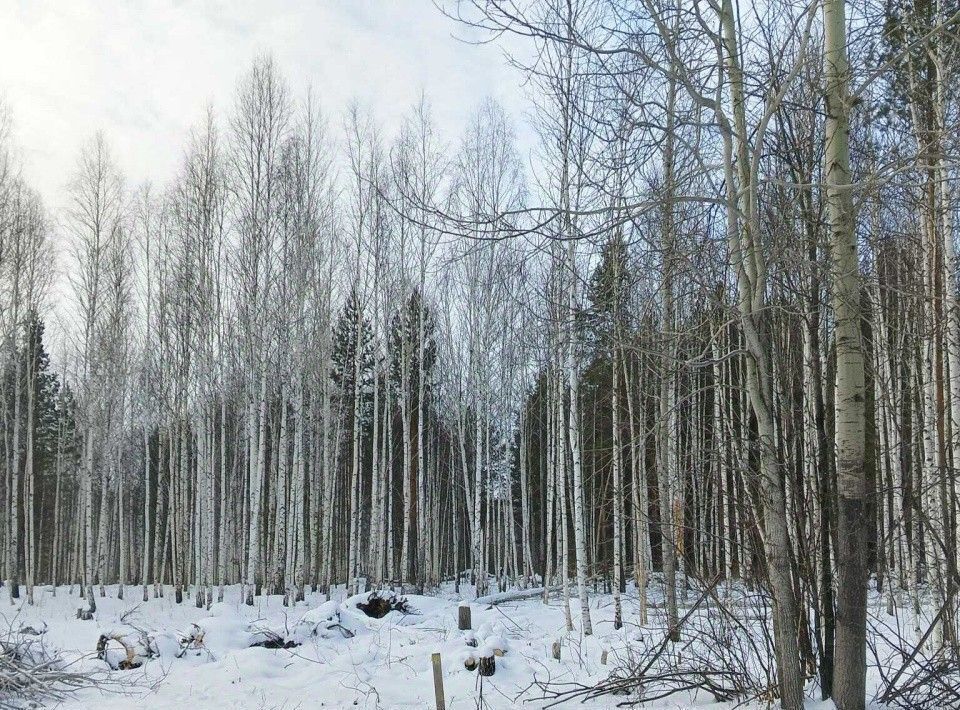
(144, 70)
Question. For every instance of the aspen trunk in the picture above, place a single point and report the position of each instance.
(573, 428)
(617, 495)
(849, 686)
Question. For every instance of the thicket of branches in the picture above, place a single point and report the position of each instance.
(712, 333)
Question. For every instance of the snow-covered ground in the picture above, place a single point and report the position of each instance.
(345, 659)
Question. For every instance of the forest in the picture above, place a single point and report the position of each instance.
(704, 335)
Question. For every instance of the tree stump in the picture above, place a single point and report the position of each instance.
(556, 650)
(487, 665)
(463, 617)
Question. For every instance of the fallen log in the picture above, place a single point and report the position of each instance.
(513, 595)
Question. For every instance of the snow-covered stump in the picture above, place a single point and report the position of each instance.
(489, 645)
(191, 641)
(487, 662)
(324, 622)
(125, 649)
(380, 603)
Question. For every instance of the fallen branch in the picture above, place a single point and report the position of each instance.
(33, 674)
(890, 690)
(718, 655)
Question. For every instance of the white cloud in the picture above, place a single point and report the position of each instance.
(144, 70)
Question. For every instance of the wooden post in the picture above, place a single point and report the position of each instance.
(438, 681)
(463, 617)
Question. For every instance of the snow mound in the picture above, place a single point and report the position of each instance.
(326, 622)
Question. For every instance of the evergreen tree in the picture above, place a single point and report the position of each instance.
(46, 386)
(353, 329)
(405, 337)
(608, 293)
